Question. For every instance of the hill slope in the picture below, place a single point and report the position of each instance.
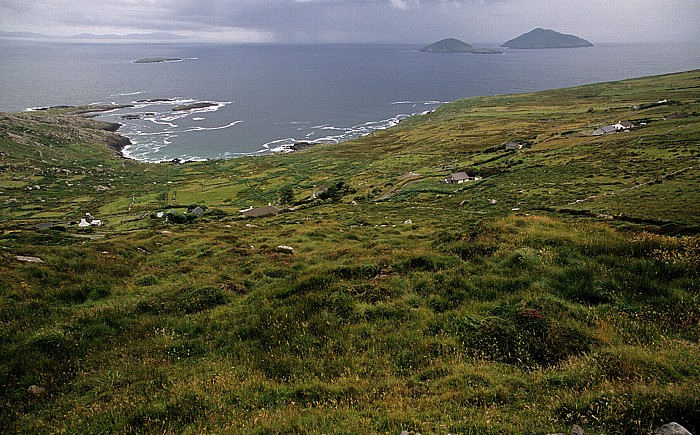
(560, 289)
(546, 38)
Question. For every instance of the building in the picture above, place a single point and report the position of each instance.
(512, 146)
(604, 130)
(623, 126)
(614, 128)
(459, 178)
(88, 221)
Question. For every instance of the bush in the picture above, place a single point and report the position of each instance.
(526, 335)
(194, 300)
(147, 280)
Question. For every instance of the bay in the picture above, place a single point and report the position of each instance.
(267, 97)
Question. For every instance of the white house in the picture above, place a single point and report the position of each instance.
(88, 221)
(620, 126)
(623, 126)
(459, 178)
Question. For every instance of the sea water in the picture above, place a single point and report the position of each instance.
(263, 98)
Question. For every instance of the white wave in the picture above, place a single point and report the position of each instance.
(429, 102)
(162, 121)
(229, 125)
(198, 119)
(127, 94)
(278, 146)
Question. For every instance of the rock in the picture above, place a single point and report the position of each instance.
(36, 390)
(193, 106)
(408, 222)
(576, 430)
(672, 429)
(285, 249)
(29, 259)
(493, 201)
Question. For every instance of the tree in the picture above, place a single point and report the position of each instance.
(286, 195)
(336, 192)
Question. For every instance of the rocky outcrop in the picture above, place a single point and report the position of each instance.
(193, 106)
(672, 429)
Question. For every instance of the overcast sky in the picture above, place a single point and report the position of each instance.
(390, 21)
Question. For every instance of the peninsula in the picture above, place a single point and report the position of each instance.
(452, 45)
(546, 38)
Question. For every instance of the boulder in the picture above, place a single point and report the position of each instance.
(285, 249)
(36, 390)
(672, 428)
(29, 259)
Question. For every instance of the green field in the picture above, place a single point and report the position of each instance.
(561, 288)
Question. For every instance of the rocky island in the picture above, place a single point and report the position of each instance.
(192, 106)
(157, 60)
(452, 45)
(546, 38)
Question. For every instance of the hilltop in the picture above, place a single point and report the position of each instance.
(559, 288)
(451, 45)
(546, 38)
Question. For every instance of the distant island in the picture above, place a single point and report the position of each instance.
(452, 45)
(546, 38)
(157, 60)
(155, 36)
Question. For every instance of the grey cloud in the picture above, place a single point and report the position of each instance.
(414, 21)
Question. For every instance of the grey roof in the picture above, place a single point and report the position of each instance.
(605, 130)
(459, 176)
(261, 211)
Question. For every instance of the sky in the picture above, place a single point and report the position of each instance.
(360, 21)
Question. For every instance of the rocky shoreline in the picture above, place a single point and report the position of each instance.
(62, 114)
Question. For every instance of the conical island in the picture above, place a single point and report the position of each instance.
(546, 38)
(452, 45)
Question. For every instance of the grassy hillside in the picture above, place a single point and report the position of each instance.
(560, 289)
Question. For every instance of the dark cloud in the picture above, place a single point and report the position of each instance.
(411, 21)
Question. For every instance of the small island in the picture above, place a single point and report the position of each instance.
(192, 106)
(157, 60)
(452, 45)
(546, 38)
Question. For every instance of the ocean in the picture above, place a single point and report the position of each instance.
(263, 98)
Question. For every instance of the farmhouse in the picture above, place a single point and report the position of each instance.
(614, 128)
(604, 130)
(511, 146)
(459, 178)
(260, 211)
(88, 221)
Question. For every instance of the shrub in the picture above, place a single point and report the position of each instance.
(525, 335)
(147, 280)
(194, 300)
